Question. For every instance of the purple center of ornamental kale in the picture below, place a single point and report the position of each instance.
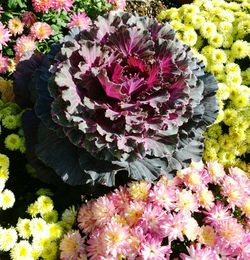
(127, 92)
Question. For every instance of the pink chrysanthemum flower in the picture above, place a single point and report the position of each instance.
(139, 190)
(245, 206)
(232, 191)
(217, 214)
(80, 20)
(120, 198)
(153, 250)
(4, 64)
(15, 26)
(224, 249)
(194, 178)
(243, 250)
(72, 246)
(28, 18)
(173, 226)
(205, 198)
(207, 236)
(115, 239)
(103, 210)
(241, 178)
(4, 36)
(191, 229)
(216, 172)
(186, 201)
(85, 218)
(136, 239)
(133, 212)
(198, 253)
(23, 45)
(231, 232)
(94, 248)
(41, 31)
(118, 4)
(42, 5)
(62, 4)
(164, 196)
(153, 220)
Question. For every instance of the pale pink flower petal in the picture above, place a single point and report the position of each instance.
(80, 20)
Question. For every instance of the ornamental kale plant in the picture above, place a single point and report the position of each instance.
(123, 97)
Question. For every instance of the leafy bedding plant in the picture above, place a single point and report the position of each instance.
(203, 213)
(218, 32)
(124, 96)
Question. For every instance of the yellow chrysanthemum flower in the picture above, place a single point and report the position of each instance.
(39, 228)
(51, 216)
(12, 142)
(4, 161)
(8, 238)
(240, 49)
(23, 228)
(6, 89)
(45, 204)
(22, 251)
(7, 199)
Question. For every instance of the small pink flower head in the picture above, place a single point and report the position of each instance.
(205, 198)
(241, 178)
(94, 248)
(217, 214)
(103, 210)
(243, 251)
(216, 172)
(245, 206)
(174, 225)
(86, 218)
(80, 20)
(62, 4)
(41, 31)
(42, 5)
(152, 249)
(224, 249)
(139, 190)
(163, 196)
(186, 201)
(153, 220)
(115, 239)
(120, 198)
(4, 35)
(4, 64)
(197, 252)
(23, 45)
(232, 191)
(118, 4)
(194, 178)
(231, 232)
(136, 239)
(133, 212)
(28, 18)
(72, 246)
(15, 26)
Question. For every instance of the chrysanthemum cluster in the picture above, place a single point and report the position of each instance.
(43, 24)
(45, 5)
(10, 122)
(7, 198)
(38, 235)
(217, 32)
(204, 209)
